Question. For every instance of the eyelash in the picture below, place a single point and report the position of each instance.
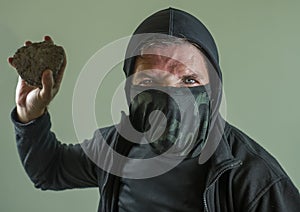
(146, 82)
(184, 80)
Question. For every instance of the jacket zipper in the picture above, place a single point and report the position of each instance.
(226, 168)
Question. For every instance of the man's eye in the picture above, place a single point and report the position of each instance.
(189, 81)
(146, 82)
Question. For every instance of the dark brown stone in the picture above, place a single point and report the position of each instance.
(30, 61)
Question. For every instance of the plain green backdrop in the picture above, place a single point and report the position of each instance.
(259, 49)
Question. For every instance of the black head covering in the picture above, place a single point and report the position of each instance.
(177, 23)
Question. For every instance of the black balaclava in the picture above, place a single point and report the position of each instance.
(177, 23)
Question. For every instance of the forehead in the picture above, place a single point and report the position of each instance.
(173, 58)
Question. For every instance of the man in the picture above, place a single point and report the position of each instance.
(207, 164)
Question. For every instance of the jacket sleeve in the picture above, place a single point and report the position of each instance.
(49, 163)
(281, 196)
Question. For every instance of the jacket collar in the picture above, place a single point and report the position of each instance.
(222, 159)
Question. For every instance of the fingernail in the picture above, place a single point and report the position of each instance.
(47, 38)
(49, 73)
(10, 59)
(27, 43)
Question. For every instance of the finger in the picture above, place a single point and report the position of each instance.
(21, 82)
(10, 61)
(24, 86)
(19, 97)
(47, 82)
(21, 91)
(47, 38)
(28, 43)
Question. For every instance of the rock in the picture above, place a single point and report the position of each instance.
(30, 61)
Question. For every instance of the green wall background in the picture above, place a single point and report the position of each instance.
(259, 49)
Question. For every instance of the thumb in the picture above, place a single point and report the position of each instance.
(47, 82)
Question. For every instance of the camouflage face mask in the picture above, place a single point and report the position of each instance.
(173, 120)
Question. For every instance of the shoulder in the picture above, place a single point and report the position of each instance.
(99, 144)
(252, 154)
(260, 172)
(107, 134)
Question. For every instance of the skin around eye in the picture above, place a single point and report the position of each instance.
(190, 81)
(146, 82)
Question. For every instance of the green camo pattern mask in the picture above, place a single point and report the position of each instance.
(173, 120)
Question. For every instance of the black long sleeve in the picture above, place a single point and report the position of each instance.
(49, 163)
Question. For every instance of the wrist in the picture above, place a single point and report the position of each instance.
(26, 116)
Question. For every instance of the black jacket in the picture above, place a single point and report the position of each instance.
(242, 175)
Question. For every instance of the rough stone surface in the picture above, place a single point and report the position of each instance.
(30, 61)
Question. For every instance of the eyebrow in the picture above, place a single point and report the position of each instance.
(142, 74)
(193, 75)
(198, 75)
